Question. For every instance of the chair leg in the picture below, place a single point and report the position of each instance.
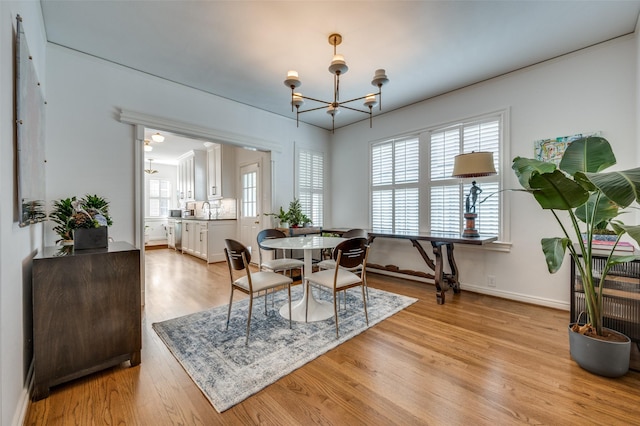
(246, 342)
(229, 313)
(266, 295)
(366, 286)
(335, 309)
(364, 302)
(289, 291)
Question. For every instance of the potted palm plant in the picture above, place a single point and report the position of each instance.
(582, 198)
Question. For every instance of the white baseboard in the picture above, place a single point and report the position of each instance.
(550, 303)
(23, 403)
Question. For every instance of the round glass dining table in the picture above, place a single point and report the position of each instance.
(318, 309)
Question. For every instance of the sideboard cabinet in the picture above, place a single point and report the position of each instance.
(86, 312)
(621, 296)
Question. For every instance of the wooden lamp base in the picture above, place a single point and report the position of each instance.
(470, 230)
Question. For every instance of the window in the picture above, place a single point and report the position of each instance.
(159, 197)
(395, 175)
(411, 185)
(447, 194)
(311, 185)
(250, 193)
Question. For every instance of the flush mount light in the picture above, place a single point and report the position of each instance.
(147, 146)
(337, 68)
(157, 137)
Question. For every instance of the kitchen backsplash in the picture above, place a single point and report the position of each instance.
(220, 209)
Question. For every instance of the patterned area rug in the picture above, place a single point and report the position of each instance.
(228, 372)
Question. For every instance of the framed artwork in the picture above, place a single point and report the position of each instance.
(551, 150)
(30, 106)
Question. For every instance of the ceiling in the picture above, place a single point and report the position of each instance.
(242, 50)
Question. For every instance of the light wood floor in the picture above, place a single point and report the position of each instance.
(476, 360)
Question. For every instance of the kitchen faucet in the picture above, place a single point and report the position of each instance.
(208, 208)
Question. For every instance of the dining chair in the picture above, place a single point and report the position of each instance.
(283, 264)
(348, 254)
(238, 258)
(331, 263)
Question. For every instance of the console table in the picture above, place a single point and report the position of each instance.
(86, 312)
(438, 240)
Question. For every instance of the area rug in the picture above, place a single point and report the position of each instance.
(227, 371)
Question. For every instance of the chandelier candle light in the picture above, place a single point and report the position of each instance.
(474, 164)
(338, 67)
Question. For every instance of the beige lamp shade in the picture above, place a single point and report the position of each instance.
(473, 164)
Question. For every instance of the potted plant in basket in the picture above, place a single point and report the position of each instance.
(71, 215)
(591, 198)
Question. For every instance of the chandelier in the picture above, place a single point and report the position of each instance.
(150, 171)
(338, 67)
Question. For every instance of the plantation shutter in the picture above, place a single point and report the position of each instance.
(395, 174)
(447, 194)
(311, 185)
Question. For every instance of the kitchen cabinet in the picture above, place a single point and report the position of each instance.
(220, 171)
(189, 233)
(205, 238)
(192, 172)
(86, 312)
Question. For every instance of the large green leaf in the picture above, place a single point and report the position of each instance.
(632, 230)
(554, 250)
(622, 187)
(591, 154)
(525, 167)
(556, 191)
(603, 211)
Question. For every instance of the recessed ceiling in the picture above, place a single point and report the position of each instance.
(242, 50)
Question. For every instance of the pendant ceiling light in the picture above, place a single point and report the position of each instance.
(157, 137)
(147, 146)
(150, 171)
(338, 67)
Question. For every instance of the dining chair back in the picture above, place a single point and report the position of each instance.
(238, 259)
(348, 254)
(331, 263)
(282, 264)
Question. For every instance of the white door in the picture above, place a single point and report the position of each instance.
(250, 208)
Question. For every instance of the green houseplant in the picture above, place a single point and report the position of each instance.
(69, 214)
(293, 217)
(583, 199)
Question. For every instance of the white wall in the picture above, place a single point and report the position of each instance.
(17, 245)
(90, 150)
(593, 89)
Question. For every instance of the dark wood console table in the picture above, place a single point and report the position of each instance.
(438, 240)
(86, 312)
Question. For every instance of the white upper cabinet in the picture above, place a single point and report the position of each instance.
(192, 175)
(220, 171)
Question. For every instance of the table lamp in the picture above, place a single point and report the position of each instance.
(473, 164)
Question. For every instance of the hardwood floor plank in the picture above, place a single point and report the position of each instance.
(474, 360)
